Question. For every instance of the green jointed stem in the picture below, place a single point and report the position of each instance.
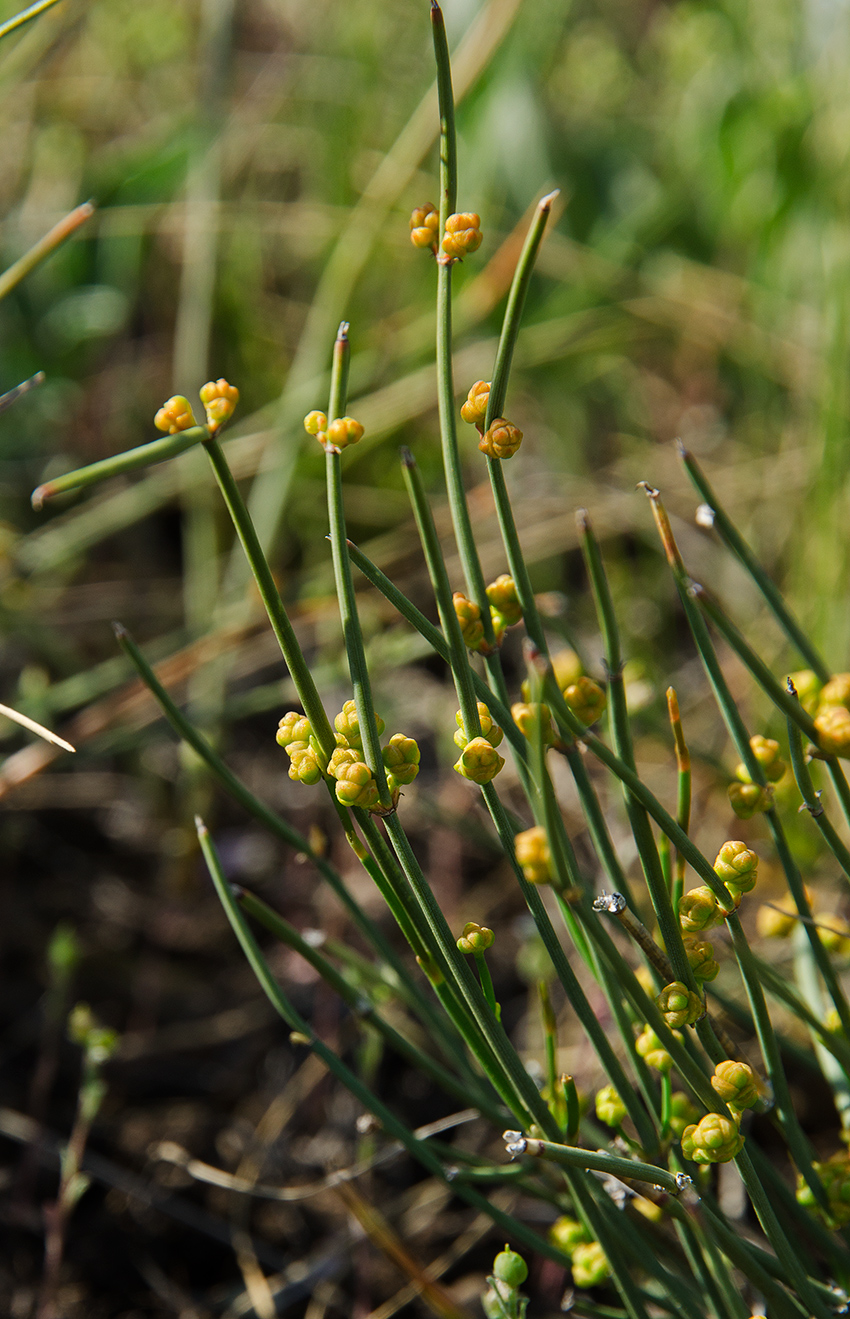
(732, 538)
(587, 1017)
(362, 1006)
(461, 521)
(461, 671)
(570, 1157)
(417, 1148)
(487, 984)
(352, 635)
(157, 451)
(514, 309)
(516, 559)
(68, 225)
(813, 804)
(278, 617)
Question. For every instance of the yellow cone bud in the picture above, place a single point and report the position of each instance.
(679, 1006)
(304, 764)
(682, 1113)
(533, 719)
(424, 224)
(701, 959)
(316, 423)
(808, 687)
(474, 410)
(610, 1108)
(590, 1265)
(738, 867)
(490, 730)
(401, 757)
(344, 431)
(219, 400)
(502, 439)
(293, 727)
(766, 752)
(698, 910)
(652, 1050)
(747, 799)
(586, 699)
(347, 726)
(504, 600)
(736, 1084)
(567, 1233)
(833, 728)
(479, 761)
(175, 415)
(532, 852)
(714, 1139)
(355, 785)
(836, 691)
(463, 234)
(469, 617)
(475, 938)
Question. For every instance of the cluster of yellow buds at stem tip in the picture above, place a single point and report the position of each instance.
(766, 752)
(714, 1139)
(475, 938)
(295, 735)
(463, 234)
(679, 1006)
(501, 440)
(424, 224)
(490, 730)
(293, 727)
(337, 435)
(586, 699)
(474, 410)
(219, 400)
(469, 617)
(736, 1084)
(532, 853)
(833, 728)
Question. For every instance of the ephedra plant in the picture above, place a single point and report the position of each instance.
(630, 1187)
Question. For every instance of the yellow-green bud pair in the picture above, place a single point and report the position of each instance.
(424, 226)
(469, 617)
(832, 720)
(714, 1139)
(650, 1048)
(679, 1006)
(610, 1108)
(533, 719)
(505, 608)
(401, 758)
(835, 1177)
(489, 730)
(295, 735)
(479, 761)
(700, 956)
(463, 234)
(475, 938)
(748, 799)
(737, 866)
(219, 400)
(766, 752)
(337, 435)
(589, 1264)
(355, 785)
(532, 853)
(586, 699)
(347, 727)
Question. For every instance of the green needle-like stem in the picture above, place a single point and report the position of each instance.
(157, 451)
(352, 634)
(278, 617)
(60, 232)
(626, 1169)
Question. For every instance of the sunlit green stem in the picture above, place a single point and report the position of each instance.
(727, 531)
(157, 451)
(626, 1169)
(60, 232)
(281, 626)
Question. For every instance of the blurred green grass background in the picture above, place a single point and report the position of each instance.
(254, 164)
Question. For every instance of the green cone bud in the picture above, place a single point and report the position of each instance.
(679, 1006)
(714, 1139)
(590, 1265)
(510, 1268)
(479, 761)
(736, 1084)
(747, 799)
(475, 938)
(586, 699)
(610, 1108)
(698, 910)
(652, 1050)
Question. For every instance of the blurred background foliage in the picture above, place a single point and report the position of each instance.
(254, 163)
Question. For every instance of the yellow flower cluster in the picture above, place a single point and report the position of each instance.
(337, 435)
(219, 400)
(355, 783)
(832, 717)
(424, 224)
